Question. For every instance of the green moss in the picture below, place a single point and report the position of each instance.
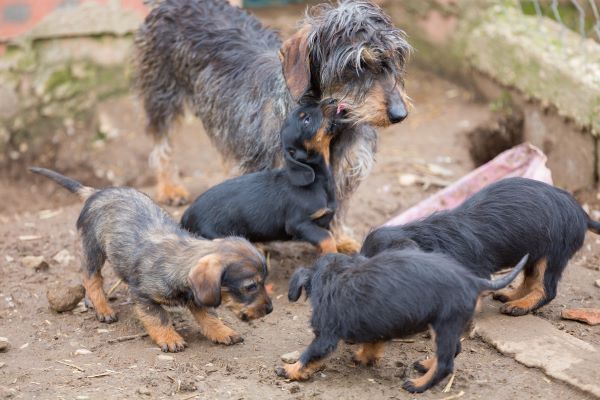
(57, 78)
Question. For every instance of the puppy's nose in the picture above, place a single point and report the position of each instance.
(269, 308)
(397, 112)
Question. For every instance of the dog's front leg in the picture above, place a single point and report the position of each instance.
(310, 361)
(315, 235)
(159, 326)
(213, 328)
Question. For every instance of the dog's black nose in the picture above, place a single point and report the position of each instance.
(269, 308)
(397, 112)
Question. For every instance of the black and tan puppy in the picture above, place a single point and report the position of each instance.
(392, 295)
(164, 265)
(493, 228)
(292, 203)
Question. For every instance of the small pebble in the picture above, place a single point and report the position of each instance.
(164, 357)
(63, 257)
(4, 344)
(82, 352)
(290, 358)
(2, 365)
(598, 282)
(37, 263)
(144, 391)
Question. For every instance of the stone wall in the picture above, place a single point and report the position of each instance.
(549, 72)
(52, 77)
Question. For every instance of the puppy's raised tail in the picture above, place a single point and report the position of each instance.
(70, 184)
(488, 284)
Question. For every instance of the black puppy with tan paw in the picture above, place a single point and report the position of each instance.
(164, 265)
(392, 295)
(292, 203)
(493, 228)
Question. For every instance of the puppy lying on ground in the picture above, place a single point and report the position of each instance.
(296, 202)
(496, 226)
(164, 265)
(392, 295)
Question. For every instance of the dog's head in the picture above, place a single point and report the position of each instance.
(352, 53)
(305, 137)
(234, 274)
(387, 238)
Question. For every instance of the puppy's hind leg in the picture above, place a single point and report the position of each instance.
(447, 340)
(93, 260)
(369, 353)
(159, 326)
(310, 361)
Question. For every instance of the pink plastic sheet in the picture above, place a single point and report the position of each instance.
(523, 160)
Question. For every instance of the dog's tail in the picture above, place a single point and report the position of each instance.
(593, 226)
(488, 284)
(70, 184)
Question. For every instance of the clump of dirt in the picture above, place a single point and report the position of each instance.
(63, 297)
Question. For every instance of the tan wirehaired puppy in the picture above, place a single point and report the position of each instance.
(164, 265)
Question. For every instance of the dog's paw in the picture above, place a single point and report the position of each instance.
(501, 296)
(367, 361)
(513, 309)
(420, 366)
(228, 338)
(347, 245)
(294, 372)
(173, 195)
(409, 386)
(174, 345)
(107, 316)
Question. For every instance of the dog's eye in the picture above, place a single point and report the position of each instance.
(251, 287)
(306, 120)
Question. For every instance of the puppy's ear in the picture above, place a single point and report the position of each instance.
(205, 280)
(296, 65)
(300, 279)
(300, 174)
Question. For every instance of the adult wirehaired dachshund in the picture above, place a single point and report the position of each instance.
(391, 295)
(296, 202)
(164, 265)
(242, 81)
(496, 226)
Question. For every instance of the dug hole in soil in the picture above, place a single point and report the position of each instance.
(71, 355)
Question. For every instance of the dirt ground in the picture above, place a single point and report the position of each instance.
(38, 218)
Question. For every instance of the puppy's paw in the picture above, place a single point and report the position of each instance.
(295, 372)
(423, 365)
(108, 316)
(513, 309)
(365, 360)
(226, 336)
(173, 195)
(410, 386)
(501, 296)
(175, 345)
(347, 245)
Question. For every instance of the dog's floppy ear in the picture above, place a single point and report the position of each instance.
(300, 279)
(300, 174)
(296, 65)
(205, 280)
